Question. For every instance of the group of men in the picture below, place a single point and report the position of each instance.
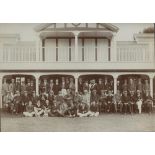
(58, 98)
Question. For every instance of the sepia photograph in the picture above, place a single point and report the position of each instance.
(77, 77)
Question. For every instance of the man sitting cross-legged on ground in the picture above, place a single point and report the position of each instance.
(47, 108)
(54, 112)
(83, 110)
(38, 109)
(29, 110)
(94, 110)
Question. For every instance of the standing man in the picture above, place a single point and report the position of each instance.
(100, 86)
(140, 85)
(80, 85)
(12, 86)
(5, 87)
(56, 87)
(146, 88)
(131, 86)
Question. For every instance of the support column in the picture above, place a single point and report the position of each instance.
(113, 50)
(76, 77)
(1, 77)
(37, 83)
(151, 84)
(115, 83)
(38, 49)
(76, 45)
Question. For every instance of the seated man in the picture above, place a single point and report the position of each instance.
(139, 101)
(38, 109)
(29, 110)
(132, 102)
(47, 108)
(54, 112)
(103, 102)
(34, 98)
(94, 110)
(25, 100)
(125, 101)
(86, 98)
(59, 98)
(8, 101)
(117, 102)
(43, 97)
(17, 102)
(77, 99)
(62, 109)
(83, 110)
(110, 103)
(148, 101)
(71, 109)
(94, 97)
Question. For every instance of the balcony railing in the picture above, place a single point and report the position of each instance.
(133, 53)
(124, 53)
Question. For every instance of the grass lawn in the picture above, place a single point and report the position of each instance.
(105, 122)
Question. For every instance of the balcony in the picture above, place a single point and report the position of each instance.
(128, 56)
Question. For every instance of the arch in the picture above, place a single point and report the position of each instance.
(19, 79)
(96, 76)
(55, 76)
(135, 77)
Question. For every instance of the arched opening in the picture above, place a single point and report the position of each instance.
(133, 82)
(17, 82)
(102, 82)
(55, 83)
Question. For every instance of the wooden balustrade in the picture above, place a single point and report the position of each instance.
(125, 53)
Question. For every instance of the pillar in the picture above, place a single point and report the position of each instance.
(76, 45)
(37, 83)
(151, 76)
(113, 50)
(115, 83)
(76, 76)
(1, 91)
(37, 51)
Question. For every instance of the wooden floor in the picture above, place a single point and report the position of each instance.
(105, 122)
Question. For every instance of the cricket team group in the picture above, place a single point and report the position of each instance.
(58, 97)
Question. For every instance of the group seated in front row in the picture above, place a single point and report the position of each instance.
(74, 104)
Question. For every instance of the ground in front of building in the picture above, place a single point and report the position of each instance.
(105, 122)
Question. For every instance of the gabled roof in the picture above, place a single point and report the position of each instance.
(76, 26)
